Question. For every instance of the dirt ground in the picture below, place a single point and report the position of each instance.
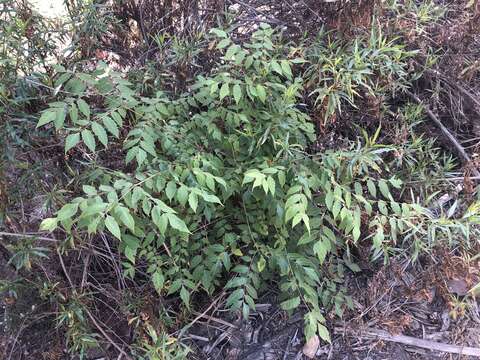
(427, 301)
(432, 307)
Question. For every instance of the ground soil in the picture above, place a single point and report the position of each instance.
(394, 298)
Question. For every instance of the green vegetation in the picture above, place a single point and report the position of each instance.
(220, 179)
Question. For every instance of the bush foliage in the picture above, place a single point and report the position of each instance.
(224, 184)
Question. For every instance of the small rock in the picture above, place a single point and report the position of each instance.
(445, 320)
(415, 324)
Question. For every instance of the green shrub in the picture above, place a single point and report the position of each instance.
(223, 193)
(341, 72)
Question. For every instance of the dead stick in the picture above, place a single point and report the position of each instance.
(468, 94)
(455, 84)
(2, 233)
(105, 335)
(214, 319)
(425, 344)
(201, 315)
(95, 323)
(64, 268)
(461, 151)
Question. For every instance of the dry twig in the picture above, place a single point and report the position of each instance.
(411, 341)
(92, 319)
(2, 233)
(461, 151)
(203, 314)
(105, 335)
(426, 344)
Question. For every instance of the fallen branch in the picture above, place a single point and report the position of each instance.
(105, 335)
(421, 343)
(27, 236)
(453, 83)
(214, 319)
(461, 151)
(200, 315)
(469, 95)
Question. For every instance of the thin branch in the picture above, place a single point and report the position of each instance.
(421, 343)
(203, 314)
(95, 323)
(460, 88)
(214, 319)
(468, 94)
(28, 236)
(461, 151)
(217, 341)
(67, 275)
(106, 336)
(454, 178)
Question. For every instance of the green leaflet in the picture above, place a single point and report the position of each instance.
(84, 108)
(113, 227)
(237, 93)
(71, 141)
(100, 133)
(224, 91)
(290, 304)
(177, 223)
(46, 117)
(88, 139)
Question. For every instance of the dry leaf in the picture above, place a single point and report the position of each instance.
(458, 287)
(311, 346)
